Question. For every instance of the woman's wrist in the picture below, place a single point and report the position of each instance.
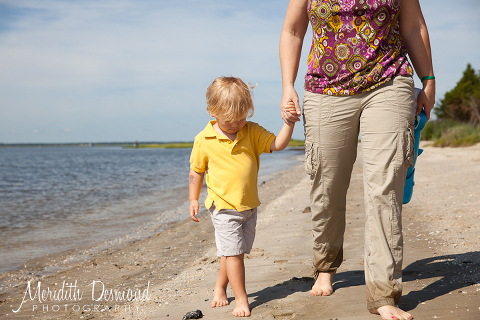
(288, 82)
(428, 83)
(427, 79)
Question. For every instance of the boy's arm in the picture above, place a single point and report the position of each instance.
(195, 181)
(283, 137)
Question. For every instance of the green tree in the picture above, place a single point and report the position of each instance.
(462, 103)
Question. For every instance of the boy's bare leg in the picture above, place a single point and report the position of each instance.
(220, 293)
(323, 284)
(392, 312)
(236, 276)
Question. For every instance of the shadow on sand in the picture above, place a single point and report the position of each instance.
(281, 290)
(454, 272)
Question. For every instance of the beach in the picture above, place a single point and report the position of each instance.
(174, 271)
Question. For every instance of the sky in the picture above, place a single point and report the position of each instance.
(125, 70)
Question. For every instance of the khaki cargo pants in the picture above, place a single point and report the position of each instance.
(385, 117)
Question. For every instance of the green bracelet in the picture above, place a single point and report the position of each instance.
(427, 78)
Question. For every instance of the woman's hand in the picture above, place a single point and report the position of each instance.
(426, 98)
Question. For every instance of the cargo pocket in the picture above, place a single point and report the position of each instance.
(410, 146)
(311, 159)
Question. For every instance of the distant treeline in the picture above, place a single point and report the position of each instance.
(83, 144)
(170, 145)
(129, 145)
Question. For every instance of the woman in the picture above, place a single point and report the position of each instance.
(358, 80)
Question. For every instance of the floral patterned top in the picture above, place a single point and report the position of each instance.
(356, 46)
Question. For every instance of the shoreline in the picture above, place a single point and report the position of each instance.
(148, 225)
(54, 268)
(441, 280)
(91, 222)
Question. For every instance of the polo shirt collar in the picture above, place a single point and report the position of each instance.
(211, 133)
(209, 130)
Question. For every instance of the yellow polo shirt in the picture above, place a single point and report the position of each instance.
(231, 166)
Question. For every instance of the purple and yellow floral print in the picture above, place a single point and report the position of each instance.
(356, 46)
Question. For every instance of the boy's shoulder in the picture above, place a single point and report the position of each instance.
(208, 131)
(253, 125)
(254, 128)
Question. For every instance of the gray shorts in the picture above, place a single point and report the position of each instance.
(234, 230)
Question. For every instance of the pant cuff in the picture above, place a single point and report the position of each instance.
(316, 270)
(374, 305)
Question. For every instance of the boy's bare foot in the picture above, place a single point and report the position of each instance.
(391, 312)
(323, 284)
(242, 309)
(219, 298)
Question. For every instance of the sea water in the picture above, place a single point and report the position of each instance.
(54, 199)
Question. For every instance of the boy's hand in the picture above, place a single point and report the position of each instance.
(290, 108)
(195, 181)
(193, 209)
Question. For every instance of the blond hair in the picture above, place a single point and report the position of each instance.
(229, 99)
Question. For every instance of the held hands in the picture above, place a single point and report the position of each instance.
(290, 99)
(193, 209)
(290, 114)
(289, 108)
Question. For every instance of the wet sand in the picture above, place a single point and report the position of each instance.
(177, 268)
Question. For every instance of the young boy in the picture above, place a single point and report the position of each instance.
(228, 150)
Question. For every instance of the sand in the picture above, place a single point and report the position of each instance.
(176, 269)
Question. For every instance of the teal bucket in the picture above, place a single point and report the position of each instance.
(420, 122)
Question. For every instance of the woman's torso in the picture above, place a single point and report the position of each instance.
(356, 46)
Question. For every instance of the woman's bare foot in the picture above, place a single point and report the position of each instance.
(242, 309)
(323, 284)
(391, 312)
(219, 298)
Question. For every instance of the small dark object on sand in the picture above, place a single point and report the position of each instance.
(197, 314)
